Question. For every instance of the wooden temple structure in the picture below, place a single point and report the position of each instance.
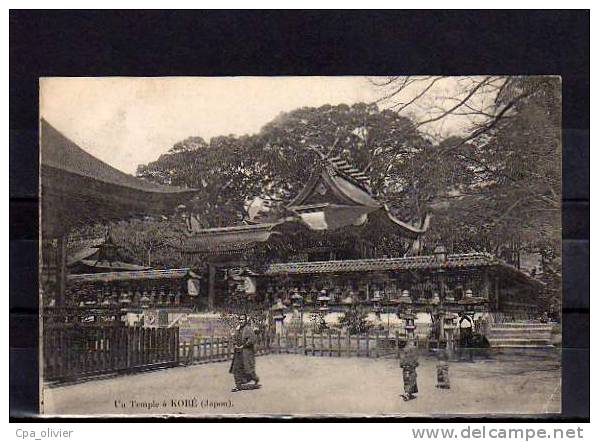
(78, 189)
(336, 236)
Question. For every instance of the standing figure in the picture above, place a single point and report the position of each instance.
(243, 365)
(443, 371)
(465, 325)
(409, 363)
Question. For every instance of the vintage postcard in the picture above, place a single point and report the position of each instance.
(300, 246)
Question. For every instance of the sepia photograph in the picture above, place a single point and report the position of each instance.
(300, 246)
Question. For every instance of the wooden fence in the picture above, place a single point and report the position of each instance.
(215, 349)
(337, 344)
(331, 343)
(72, 352)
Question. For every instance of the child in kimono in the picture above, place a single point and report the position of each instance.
(443, 371)
(409, 363)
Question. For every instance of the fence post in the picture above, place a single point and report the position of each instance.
(159, 344)
(376, 345)
(313, 343)
(211, 346)
(321, 343)
(152, 344)
(304, 343)
(348, 344)
(367, 344)
(330, 344)
(286, 340)
(134, 340)
(397, 343)
(176, 345)
(339, 343)
(183, 356)
(193, 345)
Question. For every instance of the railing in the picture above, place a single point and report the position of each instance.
(215, 349)
(337, 344)
(330, 343)
(74, 351)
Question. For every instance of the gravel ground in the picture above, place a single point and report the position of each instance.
(304, 385)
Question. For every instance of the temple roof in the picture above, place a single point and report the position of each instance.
(226, 239)
(337, 195)
(108, 277)
(430, 262)
(61, 153)
(111, 265)
(79, 188)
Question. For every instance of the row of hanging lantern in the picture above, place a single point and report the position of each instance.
(129, 299)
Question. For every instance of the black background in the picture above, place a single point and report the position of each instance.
(218, 43)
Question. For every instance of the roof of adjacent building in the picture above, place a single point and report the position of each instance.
(111, 265)
(60, 152)
(108, 277)
(226, 239)
(429, 262)
(79, 188)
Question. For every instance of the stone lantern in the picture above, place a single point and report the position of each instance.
(278, 316)
(449, 327)
(124, 299)
(323, 302)
(297, 301)
(151, 298)
(405, 313)
(469, 303)
(144, 301)
(270, 292)
(436, 313)
(348, 300)
(440, 253)
(377, 307)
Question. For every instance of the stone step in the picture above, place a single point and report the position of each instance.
(518, 341)
(518, 336)
(521, 325)
(530, 327)
(523, 346)
(522, 331)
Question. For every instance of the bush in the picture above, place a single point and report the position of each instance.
(354, 320)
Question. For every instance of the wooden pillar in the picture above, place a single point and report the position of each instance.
(486, 288)
(497, 294)
(61, 268)
(211, 281)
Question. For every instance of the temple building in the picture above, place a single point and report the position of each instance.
(336, 236)
(78, 189)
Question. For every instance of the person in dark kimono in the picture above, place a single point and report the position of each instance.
(243, 365)
(408, 363)
(443, 371)
(465, 326)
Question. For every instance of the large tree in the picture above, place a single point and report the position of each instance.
(275, 163)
